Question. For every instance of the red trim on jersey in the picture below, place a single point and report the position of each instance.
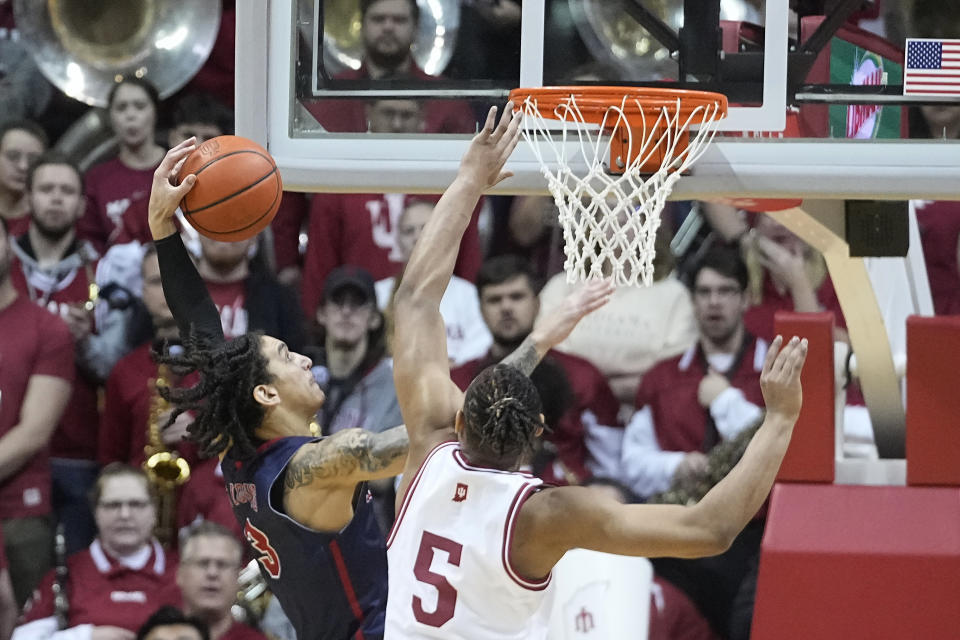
(413, 485)
(347, 585)
(532, 585)
(461, 459)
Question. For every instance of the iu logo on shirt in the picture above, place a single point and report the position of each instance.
(584, 621)
(461, 492)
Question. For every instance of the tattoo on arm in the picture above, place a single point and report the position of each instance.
(347, 455)
(526, 357)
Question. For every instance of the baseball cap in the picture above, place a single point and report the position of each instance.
(349, 276)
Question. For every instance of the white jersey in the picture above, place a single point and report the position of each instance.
(468, 337)
(450, 574)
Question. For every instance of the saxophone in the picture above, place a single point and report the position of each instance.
(165, 469)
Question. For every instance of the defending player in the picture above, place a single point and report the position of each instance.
(300, 500)
(471, 553)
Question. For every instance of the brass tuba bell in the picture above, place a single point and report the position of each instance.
(85, 46)
(614, 37)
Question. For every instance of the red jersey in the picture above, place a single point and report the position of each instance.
(102, 591)
(939, 224)
(360, 230)
(439, 116)
(204, 497)
(230, 299)
(594, 402)
(76, 436)
(111, 187)
(126, 410)
(32, 342)
(670, 389)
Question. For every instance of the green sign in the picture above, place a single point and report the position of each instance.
(853, 65)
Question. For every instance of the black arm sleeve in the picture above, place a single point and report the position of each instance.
(186, 292)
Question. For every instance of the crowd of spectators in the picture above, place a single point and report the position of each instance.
(636, 397)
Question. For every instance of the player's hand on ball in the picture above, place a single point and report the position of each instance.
(166, 193)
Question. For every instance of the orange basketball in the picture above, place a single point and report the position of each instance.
(238, 188)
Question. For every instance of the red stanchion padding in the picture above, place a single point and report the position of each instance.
(810, 457)
(841, 562)
(933, 401)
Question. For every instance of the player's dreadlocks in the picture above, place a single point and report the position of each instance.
(226, 412)
(502, 413)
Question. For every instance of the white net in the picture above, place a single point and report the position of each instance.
(610, 220)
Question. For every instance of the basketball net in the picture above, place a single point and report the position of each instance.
(628, 165)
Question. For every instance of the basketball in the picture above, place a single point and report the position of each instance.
(237, 192)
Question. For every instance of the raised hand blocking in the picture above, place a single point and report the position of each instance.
(490, 149)
(780, 377)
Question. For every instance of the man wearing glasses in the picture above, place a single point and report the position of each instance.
(210, 558)
(106, 591)
(685, 406)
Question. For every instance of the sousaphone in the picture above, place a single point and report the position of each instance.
(613, 36)
(85, 46)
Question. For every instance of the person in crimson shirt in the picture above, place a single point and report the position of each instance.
(388, 29)
(208, 577)
(113, 186)
(55, 270)
(129, 390)
(685, 406)
(361, 228)
(508, 302)
(21, 143)
(130, 397)
(36, 376)
(115, 584)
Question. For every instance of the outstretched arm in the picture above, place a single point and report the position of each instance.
(557, 520)
(184, 289)
(428, 398)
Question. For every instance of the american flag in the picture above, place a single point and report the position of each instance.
(933, 67)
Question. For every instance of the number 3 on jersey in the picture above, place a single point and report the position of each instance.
(268, 557)
(446, 594)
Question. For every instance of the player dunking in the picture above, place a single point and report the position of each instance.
(300, 500)
(475, 540)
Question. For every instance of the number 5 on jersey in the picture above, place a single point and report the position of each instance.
(446, 594)
(268, 557)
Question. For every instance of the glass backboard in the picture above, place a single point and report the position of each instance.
(338, 117)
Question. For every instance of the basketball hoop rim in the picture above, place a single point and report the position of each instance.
(593, 102)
